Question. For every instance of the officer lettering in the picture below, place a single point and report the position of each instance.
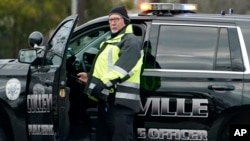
(171, 134)
(39, 103)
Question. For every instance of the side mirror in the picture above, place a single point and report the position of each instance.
(27, 55)
(35, 39)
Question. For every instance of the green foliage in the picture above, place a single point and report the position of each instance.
(97, 8)
(128, 3)
(18, 18)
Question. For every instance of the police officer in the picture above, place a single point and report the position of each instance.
(115, 79)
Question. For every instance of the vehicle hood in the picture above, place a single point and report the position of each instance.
(11, 67)
(13, 73)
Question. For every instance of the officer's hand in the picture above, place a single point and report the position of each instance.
(83, 77)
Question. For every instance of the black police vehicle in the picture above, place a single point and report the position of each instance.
(195, 83)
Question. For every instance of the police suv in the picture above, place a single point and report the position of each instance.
(195, 83)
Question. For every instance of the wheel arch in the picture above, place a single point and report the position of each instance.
(232, 115)
(5, 122)
(9, 122)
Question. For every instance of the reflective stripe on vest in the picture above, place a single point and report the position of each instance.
(129, 96)
(125, 95)
(120, 70)
(110, 60)
(91, 85)
(104, 91)
(129, 84)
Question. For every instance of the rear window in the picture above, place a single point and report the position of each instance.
(193, 48)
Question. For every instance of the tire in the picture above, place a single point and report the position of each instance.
(3, 136)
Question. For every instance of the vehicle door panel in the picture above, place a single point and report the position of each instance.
(193, 82)
(47, 100)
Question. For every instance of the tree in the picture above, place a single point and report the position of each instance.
(183, 1)
(90, 9)
(19, 18)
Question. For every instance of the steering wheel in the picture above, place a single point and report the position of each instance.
(73, 65)
(88, 58)
(83, 63)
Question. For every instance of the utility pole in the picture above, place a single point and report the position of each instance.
(155, 1)
(78, 7)
(81, 11)
(73, 7)
(183, 1)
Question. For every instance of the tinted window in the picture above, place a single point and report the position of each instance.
(193, 48)
(87, 37)
(245, 28)
(57, 44)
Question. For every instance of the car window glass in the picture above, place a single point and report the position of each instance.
(58, 43)
(245, 29)
(188, 47)
(87, 37)
(88, 53)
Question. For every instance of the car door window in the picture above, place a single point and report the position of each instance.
(193, 48)
(87, 52)
(84, 39)
(57, 44)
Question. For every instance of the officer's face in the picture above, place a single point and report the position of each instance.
(116, 22)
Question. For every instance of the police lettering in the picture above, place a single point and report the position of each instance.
(40, 129)
(39, 103)
(161, 107)
(171, 134)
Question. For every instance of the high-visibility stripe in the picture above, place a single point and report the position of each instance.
(120, 70)
(105, 92)
(110, 60)
(129, 96)
(92, 85)
(129, 84)
(142, 52)
(130, 73)
(109, 84)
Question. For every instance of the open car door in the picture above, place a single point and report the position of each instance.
(47, 100)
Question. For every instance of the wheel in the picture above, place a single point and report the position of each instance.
(3, 136)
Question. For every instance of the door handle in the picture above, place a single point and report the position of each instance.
(221, 87)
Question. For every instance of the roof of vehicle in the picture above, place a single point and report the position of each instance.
(189, 16)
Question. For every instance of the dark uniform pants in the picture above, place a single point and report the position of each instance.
(115, 123)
